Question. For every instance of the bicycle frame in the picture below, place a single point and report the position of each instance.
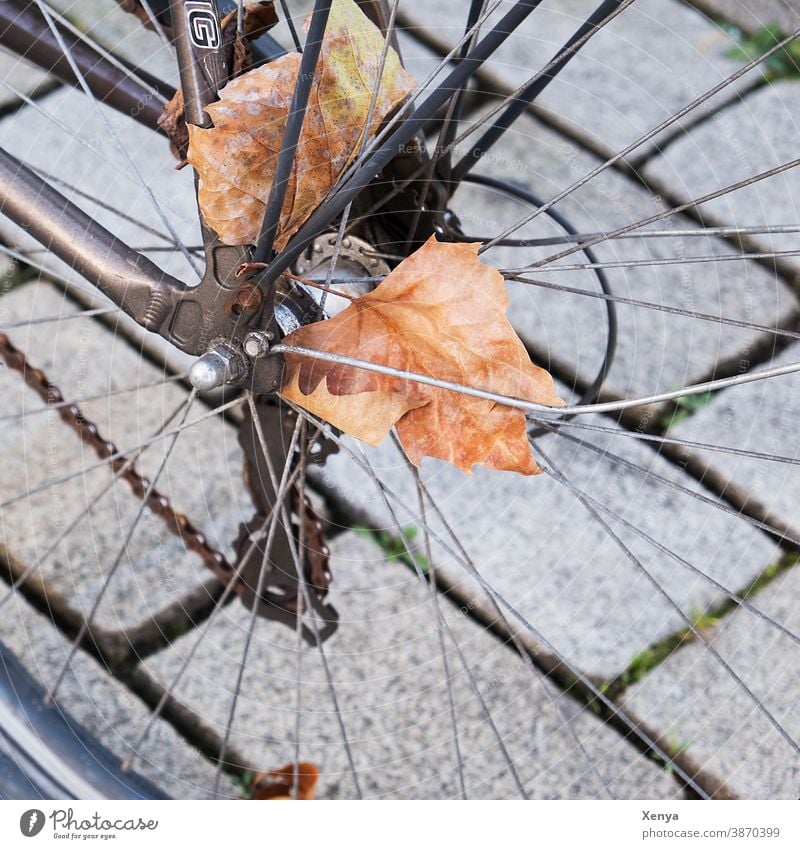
(189, 317)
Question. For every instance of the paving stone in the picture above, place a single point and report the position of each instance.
(387, 670)
(530, 538)
(758, 416)
(17, 76)
(744, 140)
(537, 546)
(699, 704)
(754, 14)
(122, 34)
(648, 63)
(656, 351)
(68, 137)
(112, 713)
(579, 335)
(202, 477)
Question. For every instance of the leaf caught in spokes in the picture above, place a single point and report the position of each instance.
(441, 313)
(237, 157)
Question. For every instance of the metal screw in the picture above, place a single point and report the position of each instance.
(257, 342)
(219, 365)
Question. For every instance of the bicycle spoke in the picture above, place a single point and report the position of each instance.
(431, 582)
(117, 455)
(665, 440)
(651, 305)
(296, 559)
(123, 216)
(107, 54)
(704, 499)
(659, 216)
(531, 406)
(633, 728)
(79, 517)
(26, 260)
(674, 233)
(114, 135)
(142, 249)
(84, 399)
(554, 699)
(281, 490)
(87, 620)
(298, 686)
(368, 467)
(557, 475)
(49, 319)
(156, 24)
(650, 263)
(594, 172)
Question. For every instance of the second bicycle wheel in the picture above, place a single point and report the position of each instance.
(622, 626)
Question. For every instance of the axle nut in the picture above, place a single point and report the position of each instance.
(219, 365)
(257, 342)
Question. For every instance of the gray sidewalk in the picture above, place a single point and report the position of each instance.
(625, 575)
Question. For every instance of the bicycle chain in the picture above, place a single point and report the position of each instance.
(158, 503)
(281, 607)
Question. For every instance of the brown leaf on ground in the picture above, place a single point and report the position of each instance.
(441, 313)
(236, 158)
(257, 19)
(277, 784)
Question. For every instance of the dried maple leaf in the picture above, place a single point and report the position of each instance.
(277, 784)
(236, 158)
(441, 313)
(257, 19)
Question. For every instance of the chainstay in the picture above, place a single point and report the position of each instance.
(177, 523)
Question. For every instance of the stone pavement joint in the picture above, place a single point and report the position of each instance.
(653, 656)
(698, 706)
(574, 587)
(753, 14)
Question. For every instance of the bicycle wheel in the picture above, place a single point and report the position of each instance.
(623, 625)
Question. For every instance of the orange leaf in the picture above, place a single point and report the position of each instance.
(237, 157)
(258, 18)
(277, 784)
(441, 313)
